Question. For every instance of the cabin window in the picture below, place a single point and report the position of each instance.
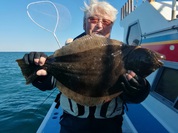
(134, 34)
(166, 86)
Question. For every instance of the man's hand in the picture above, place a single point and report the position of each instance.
(36, 58)
(135, 88)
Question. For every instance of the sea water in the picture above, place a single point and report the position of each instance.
(22, 107)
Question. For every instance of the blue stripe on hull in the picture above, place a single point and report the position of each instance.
(161, 38)
(143, 121)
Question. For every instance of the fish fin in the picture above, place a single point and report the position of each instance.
(85, 100)
(142, 61)
(28, 71)
(84, 43)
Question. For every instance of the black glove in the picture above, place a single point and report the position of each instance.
(135, 90)
(29, 58)
(41, 82)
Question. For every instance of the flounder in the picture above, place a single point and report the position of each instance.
(87, 70)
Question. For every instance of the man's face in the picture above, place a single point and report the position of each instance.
(98, 24)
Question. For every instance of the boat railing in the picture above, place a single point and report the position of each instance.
(127, 8)
(131, 5)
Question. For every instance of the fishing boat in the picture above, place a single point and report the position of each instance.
(154, 25)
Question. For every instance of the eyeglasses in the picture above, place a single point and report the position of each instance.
(96, 20)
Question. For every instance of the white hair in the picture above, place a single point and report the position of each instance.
(100, 7)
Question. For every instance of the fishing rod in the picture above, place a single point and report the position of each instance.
(45, 100)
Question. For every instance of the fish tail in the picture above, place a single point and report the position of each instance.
(28, 71)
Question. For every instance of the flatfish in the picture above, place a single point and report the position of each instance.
(87, 70)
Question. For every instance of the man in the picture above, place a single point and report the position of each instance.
(99, 18)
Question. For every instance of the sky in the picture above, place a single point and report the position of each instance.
(19, 33)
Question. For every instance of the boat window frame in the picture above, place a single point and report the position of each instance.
(158, 96)
(139, 29)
